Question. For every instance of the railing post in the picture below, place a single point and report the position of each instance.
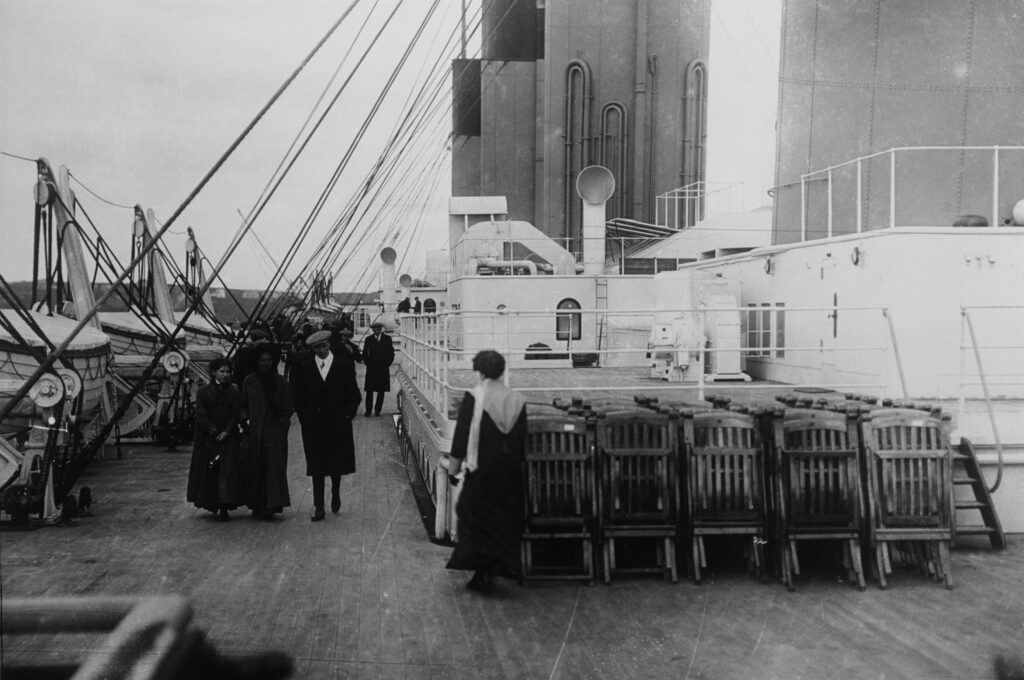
(701, 356)
(830, 203)
(803, 208)
(962, 390)
(896, 352)
(860, 196)
(892, 188)
(995, 188)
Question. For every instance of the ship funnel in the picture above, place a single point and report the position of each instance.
(595, 185)
(387, 291)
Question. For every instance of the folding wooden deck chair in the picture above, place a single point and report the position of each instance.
(560, 495)
(910, 487)
(725, 482)
(639, 487)
(817, 486)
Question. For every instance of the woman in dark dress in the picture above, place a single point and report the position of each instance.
(266, 411)
(488, 446)
(213, 474)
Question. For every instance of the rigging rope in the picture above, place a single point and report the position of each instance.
(52, 357)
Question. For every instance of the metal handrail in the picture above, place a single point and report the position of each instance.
(826, 174)
(429, 358)
(968, 325)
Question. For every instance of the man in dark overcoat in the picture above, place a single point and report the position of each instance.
(326, 399)
(378, 355)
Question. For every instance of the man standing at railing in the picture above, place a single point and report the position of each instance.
(378, 355)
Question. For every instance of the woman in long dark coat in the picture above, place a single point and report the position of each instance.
(213, 473)
(327, 398)
(266, 405)
(489, 443)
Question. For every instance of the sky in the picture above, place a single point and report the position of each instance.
(139, 98)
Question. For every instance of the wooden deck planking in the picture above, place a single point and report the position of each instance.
(365, 594)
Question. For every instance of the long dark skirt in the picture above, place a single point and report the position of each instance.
(265, 472)
(490, 520)
(213, 474)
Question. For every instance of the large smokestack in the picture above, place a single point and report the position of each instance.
(595, 185)
(387, 292)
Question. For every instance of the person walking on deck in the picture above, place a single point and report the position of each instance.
(488, 446)
(378, 355)
(327, 399)
(266, 409)
(213, 473)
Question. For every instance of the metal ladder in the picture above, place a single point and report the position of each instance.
(967, 472)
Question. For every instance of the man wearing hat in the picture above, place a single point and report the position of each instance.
(378, 355)
(326, 399)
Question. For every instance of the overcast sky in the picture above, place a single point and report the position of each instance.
(138, 98)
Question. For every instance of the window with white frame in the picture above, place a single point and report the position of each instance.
(765, 327)
(568, 326)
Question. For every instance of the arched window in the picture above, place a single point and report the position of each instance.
(429, 306)
(568, 325)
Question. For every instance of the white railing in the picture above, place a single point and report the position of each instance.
(828, 176)
(973, 352)
(434, 344)
(688, 205)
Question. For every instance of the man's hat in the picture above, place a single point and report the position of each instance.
(318, 337)
(346, 332)
(376, 324)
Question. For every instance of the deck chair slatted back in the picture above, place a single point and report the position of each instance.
(910, 486)
(910, 461)
(818, 486)
(559, 471)
(725, 469)
(724, 481)
(638, 465)
(560, 499)
(820, 470)
(639, 489)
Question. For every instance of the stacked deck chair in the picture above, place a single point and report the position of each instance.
(560, 496)
(910, 488)
(725, 482)
(639, 488)
(817, 490)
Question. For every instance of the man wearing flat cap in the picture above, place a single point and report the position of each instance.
(378, 355)
(326, 399)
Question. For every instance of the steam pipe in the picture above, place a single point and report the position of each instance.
(476, 262)
(621, 133)
(576, 69)
(640, 112)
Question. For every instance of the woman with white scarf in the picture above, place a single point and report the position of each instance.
(488, 447)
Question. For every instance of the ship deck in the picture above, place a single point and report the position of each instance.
(365, 594)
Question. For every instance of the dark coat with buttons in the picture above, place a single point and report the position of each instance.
(325, 409)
